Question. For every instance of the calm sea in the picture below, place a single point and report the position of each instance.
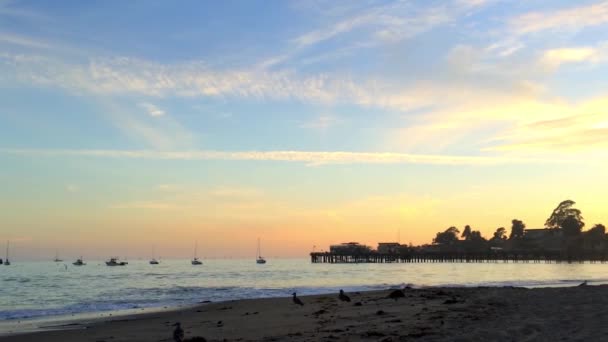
(43, 289)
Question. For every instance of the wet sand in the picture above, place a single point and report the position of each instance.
(432, 314)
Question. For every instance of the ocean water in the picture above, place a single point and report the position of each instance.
(47, 289)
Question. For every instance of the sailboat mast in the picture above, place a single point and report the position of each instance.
(8, 243)
(259, 249)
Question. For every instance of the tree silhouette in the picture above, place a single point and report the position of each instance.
(466, 234)
(517, 229)
(447, 237)
(563, 211)
(599, 229)
(596, 235)
(500, 234)
(571, 226)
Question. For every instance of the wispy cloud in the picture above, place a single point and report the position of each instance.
(157, 131)
(308, 157)
(373, 24)
(573, 18)
(152, 109)
(555, 57)
(193, 79)
(321, 123)
(15, 39)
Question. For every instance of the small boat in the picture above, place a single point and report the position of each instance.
(260, 259)
(153, 261)
(6, 261)
(115, 262)
(57, 257)
(196, 260)
(79, 262)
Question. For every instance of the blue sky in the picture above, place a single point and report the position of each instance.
(315, 110)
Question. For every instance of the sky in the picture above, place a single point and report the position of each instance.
(127, 126)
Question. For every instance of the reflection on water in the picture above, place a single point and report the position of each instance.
(35, 289)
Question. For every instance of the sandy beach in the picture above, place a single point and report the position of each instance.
(432, 314)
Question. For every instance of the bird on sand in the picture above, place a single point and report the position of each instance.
(396, 294)
(343, 297)
(178, 333)
(297, 300)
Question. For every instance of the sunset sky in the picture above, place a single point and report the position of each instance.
(127, 125)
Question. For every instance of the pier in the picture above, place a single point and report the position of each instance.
(425, 257)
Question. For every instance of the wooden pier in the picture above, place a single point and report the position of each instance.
(494, 257)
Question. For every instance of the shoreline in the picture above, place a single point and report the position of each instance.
(133, 310)
(433, 314)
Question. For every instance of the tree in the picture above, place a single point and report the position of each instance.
(599, 230)
(447, 237)
(571, 226)
(466, 234)
(596, 236)
(563, 211)
(500, 234)
(517, 229)
(476, 236)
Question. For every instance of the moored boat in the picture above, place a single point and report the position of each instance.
(260, 259)
(196, 260)
(79, 262)
(154, 261)
(6, 261)
(115, 262)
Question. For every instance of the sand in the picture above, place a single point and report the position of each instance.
(432, 314)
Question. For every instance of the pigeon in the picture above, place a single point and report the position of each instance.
(297, 300)
(343, 297)
(178, 333)
(396, 294)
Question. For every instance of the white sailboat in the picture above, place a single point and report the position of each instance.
(196, 260)
(6, 261)
(260, 259)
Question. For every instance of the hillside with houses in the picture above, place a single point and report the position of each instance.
(563, 236)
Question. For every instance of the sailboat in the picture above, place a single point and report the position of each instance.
(196, 260)
(6, 261)
(57, 257)
(153, 261)
(260, 259)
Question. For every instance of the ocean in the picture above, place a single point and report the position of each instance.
(30, 290)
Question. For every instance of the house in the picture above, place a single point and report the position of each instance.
(350, 248)
(543, 239)
(388, 247)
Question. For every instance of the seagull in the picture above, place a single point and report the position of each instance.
(297, 300)
(396, 295)
(583, 283)
(178, 333)
(343, 297)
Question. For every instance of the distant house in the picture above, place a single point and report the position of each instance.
(389, 247)
(350, 248)
(543, 239)
(540, 233)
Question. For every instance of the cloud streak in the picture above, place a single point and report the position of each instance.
(307, 157)
(151, 109)
(574, 18)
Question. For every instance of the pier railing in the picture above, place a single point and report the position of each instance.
(459, 257)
